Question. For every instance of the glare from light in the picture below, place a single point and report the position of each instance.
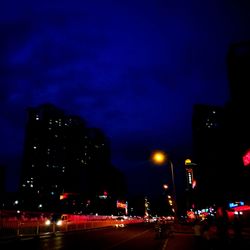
(159, 157)
(47, 222)
(59, 223)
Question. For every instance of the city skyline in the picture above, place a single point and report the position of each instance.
(135, 71)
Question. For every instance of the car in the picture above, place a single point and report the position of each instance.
(119, 222)
(58, 219)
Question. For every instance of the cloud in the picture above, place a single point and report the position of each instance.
(133, 69)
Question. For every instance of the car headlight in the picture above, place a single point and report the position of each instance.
(59, 223)
(47, 222)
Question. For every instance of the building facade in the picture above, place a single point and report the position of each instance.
(208, 148)
(221, 138)
(238, 110)
(62, 155)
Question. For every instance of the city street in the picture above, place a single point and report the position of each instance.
(140, 236)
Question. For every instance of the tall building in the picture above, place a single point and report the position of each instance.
(238, 64)
(238, 110)
(208, 147)
(221, 138)
(62, 155)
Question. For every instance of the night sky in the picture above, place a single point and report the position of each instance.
(133, 68)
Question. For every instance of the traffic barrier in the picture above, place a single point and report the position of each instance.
(33, 227)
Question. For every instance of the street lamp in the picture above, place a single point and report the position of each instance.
(159, 157)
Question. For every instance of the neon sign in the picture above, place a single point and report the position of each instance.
(246, 158)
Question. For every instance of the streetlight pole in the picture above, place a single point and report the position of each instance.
(173, 182)
(160, 158)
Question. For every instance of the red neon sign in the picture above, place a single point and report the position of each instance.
(246, 158)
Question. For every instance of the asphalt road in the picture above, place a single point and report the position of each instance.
(132, 237)
(140, 236)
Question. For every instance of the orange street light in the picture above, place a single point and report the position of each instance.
(159, 157)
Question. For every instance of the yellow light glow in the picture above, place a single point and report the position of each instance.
(47, 222)
(158, 157)
(187, 161)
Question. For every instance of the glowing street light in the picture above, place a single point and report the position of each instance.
(159, 157)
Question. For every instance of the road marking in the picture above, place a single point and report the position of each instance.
(131, 238)
(165, 244)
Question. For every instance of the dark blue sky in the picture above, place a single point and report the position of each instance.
(130, 67)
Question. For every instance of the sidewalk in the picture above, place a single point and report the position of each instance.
(231, 244)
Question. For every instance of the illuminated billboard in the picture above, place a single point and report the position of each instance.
(246, 158)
